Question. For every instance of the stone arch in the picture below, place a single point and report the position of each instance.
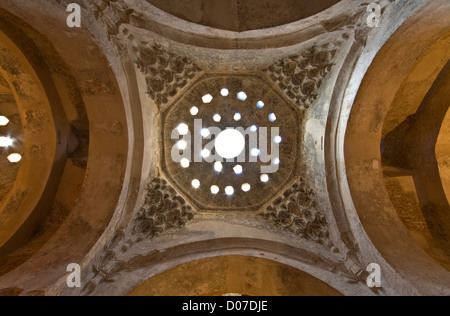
(91, 139)
(389, 74)
(133, 269)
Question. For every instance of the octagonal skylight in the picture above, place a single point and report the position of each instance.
(220, 145)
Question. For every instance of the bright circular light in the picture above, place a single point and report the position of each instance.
(206, 153)
(230, 144)
(238, 169)
(183, 129)
(254, 129)
(194, 111)
(3, 121)
(277, 139)
(229, 190)
(196, 184)
(205, 132)
(225, 92)
(260, 104)
(207, 98)
(246, 187)
(13, 158)
(237, 117)
(182, 145)
(276, 161)
(272, 117)
(215, 189)
(218, 166)
(242, 96)
(255, 152)
(185, 163)
(5, 141)
(264, 178)
(217, 118)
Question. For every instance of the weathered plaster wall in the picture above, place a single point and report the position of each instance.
(233, 274)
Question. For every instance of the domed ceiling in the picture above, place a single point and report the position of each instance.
(11, 138)
(156, 138)
(243, 15)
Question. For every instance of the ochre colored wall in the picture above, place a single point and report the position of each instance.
(233, 274)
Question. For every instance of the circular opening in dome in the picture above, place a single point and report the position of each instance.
(217, 118)
(5, 142)
(215, 189)
(194, 111)
(260, 104)
(230, 144)
(4, 121)
(229, 190)
(207, 98)
(237, 117)
(218, 166)
(276, 161)
(246, 187)
(254, 129)
(277, 139)
(255, 152)
(206, 153)
(272, 117)
(225, 92)
(13, 158)
(238, 169)
(205, 132)
(242, 96)
(183, 129)
(196, 183)
(264, 178)
(185, 163)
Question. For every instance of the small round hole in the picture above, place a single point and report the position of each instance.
(255, 152)
(206, 153)
(196, 184)
(215, 189)
(242, 96)
(183, 129)
(205, 132)
(185, 163)
(207, 98)
(225, 92)
(217, 118)
(277, 139)
(14, 158)
(4, 121)
(194, 111)
(229, 190)
(246, 187)
(5, 142)
(218, 166)
(238, 169)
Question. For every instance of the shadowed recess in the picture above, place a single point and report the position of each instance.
(243, 15)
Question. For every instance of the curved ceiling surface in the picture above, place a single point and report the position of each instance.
(243, 15)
